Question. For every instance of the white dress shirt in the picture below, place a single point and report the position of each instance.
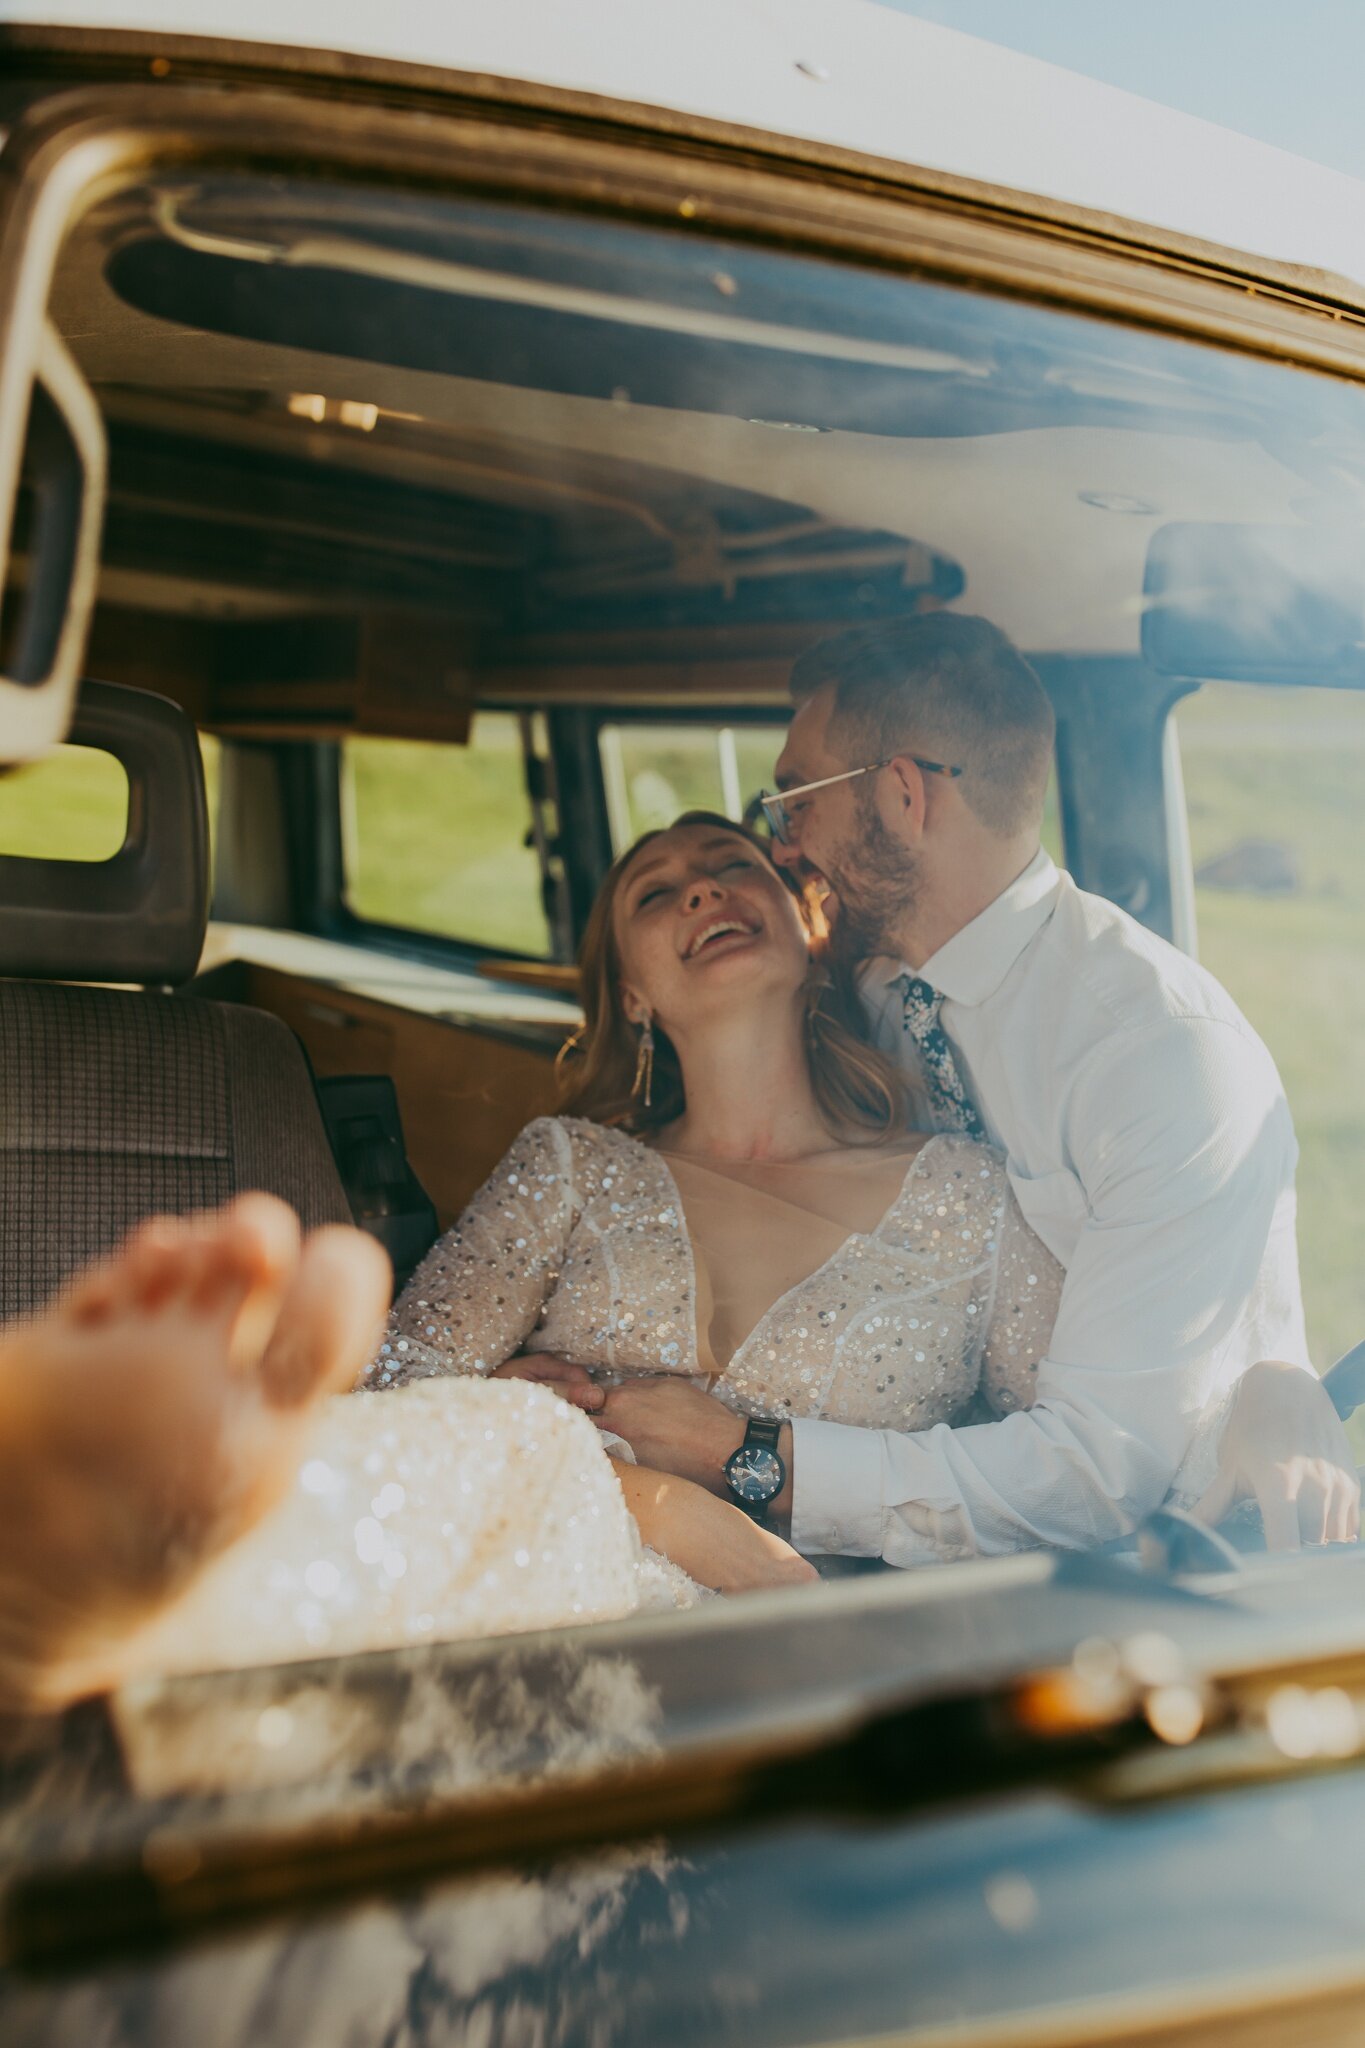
(1150, 1146)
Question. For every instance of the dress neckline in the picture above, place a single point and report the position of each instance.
(735, 1167)
(788, 1293)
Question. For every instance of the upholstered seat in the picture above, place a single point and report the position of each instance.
(117, 1104)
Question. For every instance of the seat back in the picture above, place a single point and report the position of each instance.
(140, 916)
(117, 1105)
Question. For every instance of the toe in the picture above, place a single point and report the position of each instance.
(248, 1255)
(95, 1294)
(252, 1243)
(329, 1325)
(150, 1269)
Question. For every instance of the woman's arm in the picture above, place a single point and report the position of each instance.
(479, 1292)
(713, 1541)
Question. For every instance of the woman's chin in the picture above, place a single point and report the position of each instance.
(747, 974)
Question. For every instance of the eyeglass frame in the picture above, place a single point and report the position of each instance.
(774, 802)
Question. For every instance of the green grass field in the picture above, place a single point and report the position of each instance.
(434, 838)
(435, 842)
(1288, 766)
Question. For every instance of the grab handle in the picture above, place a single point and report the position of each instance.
(56, 475)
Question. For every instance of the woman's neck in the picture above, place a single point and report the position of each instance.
(749, 1093)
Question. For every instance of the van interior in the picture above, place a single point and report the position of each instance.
(450, 543)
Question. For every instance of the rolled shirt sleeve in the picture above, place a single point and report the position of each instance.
(1179, 1142)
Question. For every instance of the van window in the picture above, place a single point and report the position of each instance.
(1272, 782)
(72, 805)
(434, 838)
(651, 772)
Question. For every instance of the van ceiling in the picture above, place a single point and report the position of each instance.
(558, 497)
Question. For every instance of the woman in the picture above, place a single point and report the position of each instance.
(734, 1197)
(737, 1198)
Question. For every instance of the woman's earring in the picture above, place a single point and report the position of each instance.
(644, 1065)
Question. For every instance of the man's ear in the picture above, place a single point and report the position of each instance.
(905, 787)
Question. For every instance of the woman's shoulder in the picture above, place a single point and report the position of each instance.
(578, 1138)
(950, 1151)
(583, 1130)
(951, 1162)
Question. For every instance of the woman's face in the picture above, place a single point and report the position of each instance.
(703, 920)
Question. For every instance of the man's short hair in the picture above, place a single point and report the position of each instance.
(950, 687)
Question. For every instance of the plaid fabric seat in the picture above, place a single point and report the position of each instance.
(118, 1106)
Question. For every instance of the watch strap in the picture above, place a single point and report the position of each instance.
(761, 1431)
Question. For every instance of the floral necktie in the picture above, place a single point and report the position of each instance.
(952, 1106)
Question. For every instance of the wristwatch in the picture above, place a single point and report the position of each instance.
(755, 1473)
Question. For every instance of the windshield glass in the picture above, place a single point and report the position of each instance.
(636, 448)
(925, 1196)
(653, 469)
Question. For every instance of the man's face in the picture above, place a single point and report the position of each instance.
(839, 835)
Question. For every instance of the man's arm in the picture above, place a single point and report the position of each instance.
(1184, 1146)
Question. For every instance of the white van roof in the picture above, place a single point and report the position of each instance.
(847, 73)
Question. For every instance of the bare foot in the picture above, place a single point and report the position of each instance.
(153, 1414)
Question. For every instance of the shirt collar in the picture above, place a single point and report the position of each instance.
(974, 962)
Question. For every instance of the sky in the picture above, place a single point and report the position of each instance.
(1289, 72)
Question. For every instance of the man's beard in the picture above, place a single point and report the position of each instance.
(876, 882)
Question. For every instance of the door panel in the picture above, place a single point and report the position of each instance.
(464, 1093)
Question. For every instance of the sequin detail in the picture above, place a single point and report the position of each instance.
(577, 1244)
(449, 1510)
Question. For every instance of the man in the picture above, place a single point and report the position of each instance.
(1148, 1139)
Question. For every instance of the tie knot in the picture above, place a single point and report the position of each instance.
(921, 1003)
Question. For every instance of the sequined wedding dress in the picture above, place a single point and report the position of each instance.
(886, 1288)
(879, 1287)
(451, 1508)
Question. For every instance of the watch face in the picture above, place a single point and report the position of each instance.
(755, 1473)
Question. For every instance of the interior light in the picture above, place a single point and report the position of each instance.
(347, 412)
(352, 412)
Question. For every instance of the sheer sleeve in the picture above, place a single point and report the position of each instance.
(1028, 1290)
(479, 1292)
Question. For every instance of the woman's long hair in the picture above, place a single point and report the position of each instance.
(860, 1094)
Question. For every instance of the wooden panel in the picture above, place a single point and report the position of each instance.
(464, 1094)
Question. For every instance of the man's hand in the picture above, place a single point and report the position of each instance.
(573, 1383)
(1284, 1447)
(675, 1427)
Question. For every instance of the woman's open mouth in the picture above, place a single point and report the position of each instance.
(723, 933)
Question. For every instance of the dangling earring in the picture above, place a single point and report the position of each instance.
(644, 1065)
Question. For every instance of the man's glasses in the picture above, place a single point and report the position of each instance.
(774, 805)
